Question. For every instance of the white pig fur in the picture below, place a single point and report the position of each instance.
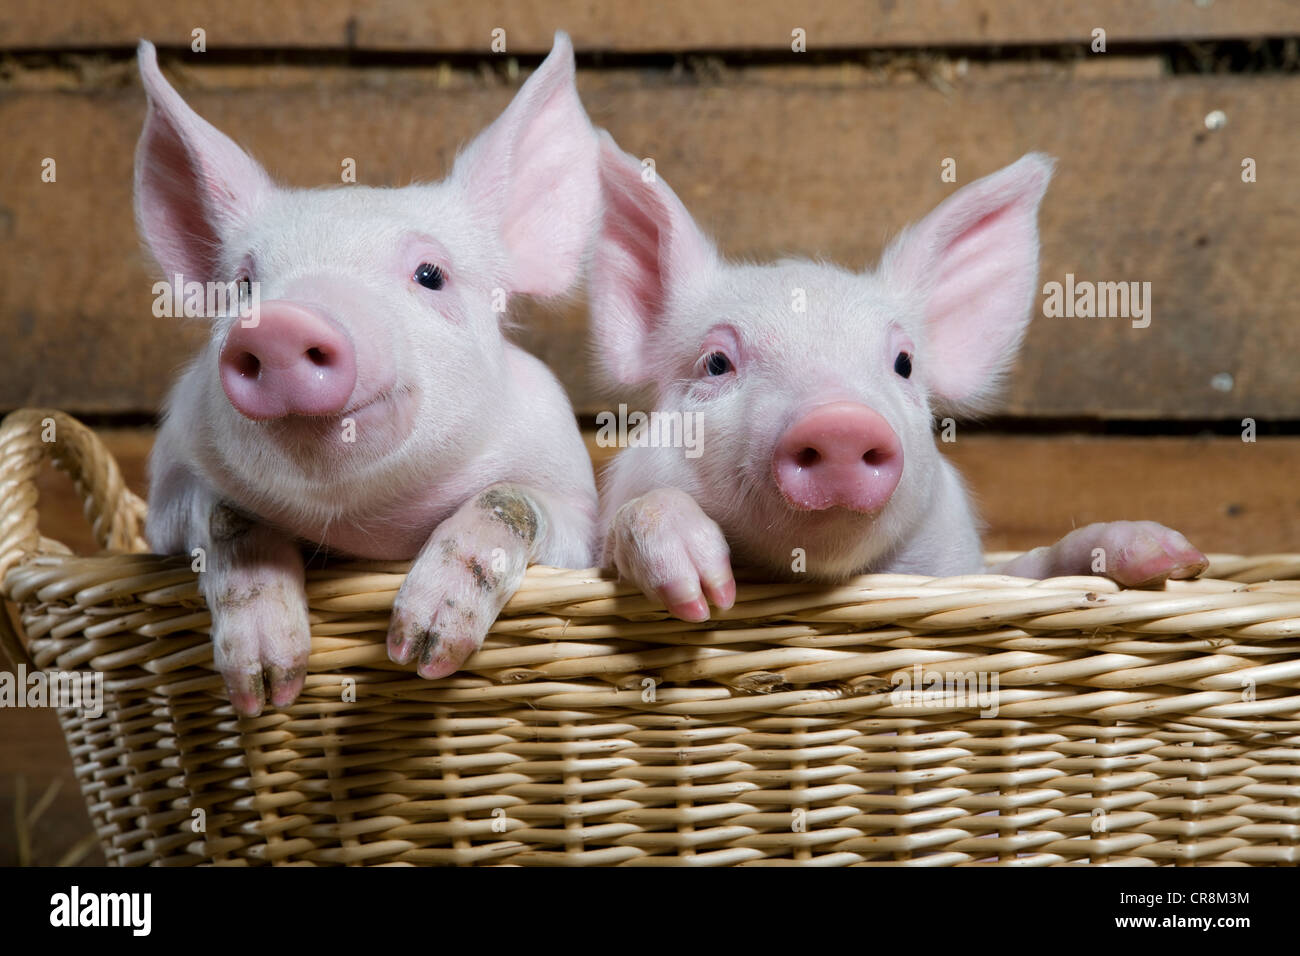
(953, 291)
(444, 406)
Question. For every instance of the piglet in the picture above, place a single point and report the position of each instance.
(370, 404)
(814, 389)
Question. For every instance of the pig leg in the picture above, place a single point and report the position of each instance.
(252, 579)
(255, 586)
(1132, 553)
(471, 565)
(665, 544)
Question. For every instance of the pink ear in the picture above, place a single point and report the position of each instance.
(534, 168)
(974, 264)
(192, 183)
(648, 245)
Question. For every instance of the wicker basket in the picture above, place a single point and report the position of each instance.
(1092, 724)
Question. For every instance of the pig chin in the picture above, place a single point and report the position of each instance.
(368, 429)
(836, 543)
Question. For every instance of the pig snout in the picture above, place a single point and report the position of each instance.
(841, 454)
(294, 361)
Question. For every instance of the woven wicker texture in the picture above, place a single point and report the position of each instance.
(1073, 722)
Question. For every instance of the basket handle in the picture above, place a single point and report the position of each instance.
(116, 515)
(28, 437)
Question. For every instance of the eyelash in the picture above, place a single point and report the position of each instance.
(434, 275)
(713, 359)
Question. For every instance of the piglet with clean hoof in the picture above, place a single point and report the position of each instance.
(362, 399)
(814, 389)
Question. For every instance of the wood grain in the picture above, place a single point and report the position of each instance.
(465, 26)
(818, 161)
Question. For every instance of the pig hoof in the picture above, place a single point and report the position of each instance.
(463, 577)
(444, 608)
(439, 642)
(261, 650)
(673, 551)
(1146, 554)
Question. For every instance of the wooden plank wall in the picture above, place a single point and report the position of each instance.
(828, 154)
(823, 153)
(1143, 193)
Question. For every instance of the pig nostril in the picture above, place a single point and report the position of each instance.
(247, 364)
(317, 357)
(807, 458)
(875, 457)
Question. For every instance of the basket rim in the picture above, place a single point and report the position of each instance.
(53, 575)
(124, 610)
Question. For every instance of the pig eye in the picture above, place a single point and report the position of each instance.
(715, 363)
(243, 290)
(429, 276)
(903, 365)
